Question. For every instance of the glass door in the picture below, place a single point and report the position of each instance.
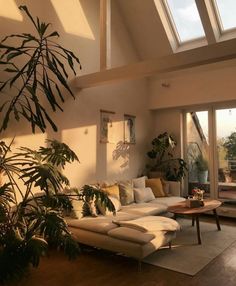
(226, 152)
(197, 151)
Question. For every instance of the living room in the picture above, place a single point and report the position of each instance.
(134, 69)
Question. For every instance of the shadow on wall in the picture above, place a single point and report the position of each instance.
(122, 151)
(83, 114)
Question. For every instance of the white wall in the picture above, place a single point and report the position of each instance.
(80, 122)
(192, 87)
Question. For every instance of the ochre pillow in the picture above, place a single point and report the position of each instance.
(156, 186)
(112, 191)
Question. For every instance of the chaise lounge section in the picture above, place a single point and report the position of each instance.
(122, 233)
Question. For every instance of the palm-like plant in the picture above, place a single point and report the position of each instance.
(29, 223)
(40, 78)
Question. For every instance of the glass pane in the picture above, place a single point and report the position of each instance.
(227, 12)
(226, 148)
(198, 151)
(186, 19)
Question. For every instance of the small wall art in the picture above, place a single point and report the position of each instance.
(129, 129)
(106, 123)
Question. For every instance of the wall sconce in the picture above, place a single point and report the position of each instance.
(165, 84)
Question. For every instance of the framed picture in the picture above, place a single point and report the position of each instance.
(106, 119)
(129, 129)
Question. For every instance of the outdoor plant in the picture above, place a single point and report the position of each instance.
(32, 201)
(163, 145)
(201, 163)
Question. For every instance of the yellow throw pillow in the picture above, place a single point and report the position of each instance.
(112, 191)
(156, 186)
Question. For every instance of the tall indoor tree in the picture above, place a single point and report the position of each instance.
(35, 73)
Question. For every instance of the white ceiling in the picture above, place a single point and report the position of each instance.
(145, 28)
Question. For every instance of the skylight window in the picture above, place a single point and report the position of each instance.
(226, 14)
(185, 19)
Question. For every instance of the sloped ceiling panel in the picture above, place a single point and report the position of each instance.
(145, 27)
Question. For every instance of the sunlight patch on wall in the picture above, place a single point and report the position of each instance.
(32, 141)
(83, 141)
(10, 10)
(73, 18)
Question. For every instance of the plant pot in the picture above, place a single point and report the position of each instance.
(202, 176)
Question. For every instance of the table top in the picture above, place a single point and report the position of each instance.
(181, 207)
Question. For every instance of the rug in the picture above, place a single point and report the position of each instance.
(186, 256)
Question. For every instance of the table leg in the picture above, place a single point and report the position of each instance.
(217, 219)
(193, 220)
(198, 230)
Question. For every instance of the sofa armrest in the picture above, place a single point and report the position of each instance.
(174, 189)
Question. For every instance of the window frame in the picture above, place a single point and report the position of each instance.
(230, 31)
(174, 30)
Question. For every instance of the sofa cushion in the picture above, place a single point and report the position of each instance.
(97, 224)
(156, 186)
(126, 193)
(112, 191)
(169, 201)
(139, 182)
(143, 195)
(129, 234)
(145, 209)
(101, 224)
(104, 211)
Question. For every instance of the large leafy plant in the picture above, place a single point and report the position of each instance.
(36, 72)
(32, 222)
(163, 145)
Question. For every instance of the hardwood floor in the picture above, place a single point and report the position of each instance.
(97, 268)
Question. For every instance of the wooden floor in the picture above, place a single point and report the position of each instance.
(95, 268)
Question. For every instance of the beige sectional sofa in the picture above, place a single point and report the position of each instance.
(111, 233)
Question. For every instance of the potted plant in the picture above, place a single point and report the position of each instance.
(202, 168)
(172, 169)
(35, 69)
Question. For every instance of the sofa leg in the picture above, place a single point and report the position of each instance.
(139, 265)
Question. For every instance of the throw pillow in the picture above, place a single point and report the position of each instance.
(89, 209)
(156, 186)
(143, 195)
(126, 193)
(139, 182)
(112, 191)
(77, 211)
(166, 187)
(104, 211)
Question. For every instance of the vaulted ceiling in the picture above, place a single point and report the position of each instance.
(145, 27)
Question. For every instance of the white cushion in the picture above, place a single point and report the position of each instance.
(145, 209)
(104, 210)
(130, 234)
(139, 182)
(143, 195)
(169, 201)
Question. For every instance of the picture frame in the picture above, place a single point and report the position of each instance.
(129, 129)
(106, 120)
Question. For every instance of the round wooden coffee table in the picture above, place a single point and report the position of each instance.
(209, 205)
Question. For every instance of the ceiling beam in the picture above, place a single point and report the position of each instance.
(214, 53)
(211, 34)
(105, 34)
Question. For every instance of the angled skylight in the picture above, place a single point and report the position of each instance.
(185, 19)
(226, 13)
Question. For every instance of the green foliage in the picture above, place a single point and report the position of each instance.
(201, 163)
(161, 152)
(43, 76)
(29, 225)
(230, 146)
